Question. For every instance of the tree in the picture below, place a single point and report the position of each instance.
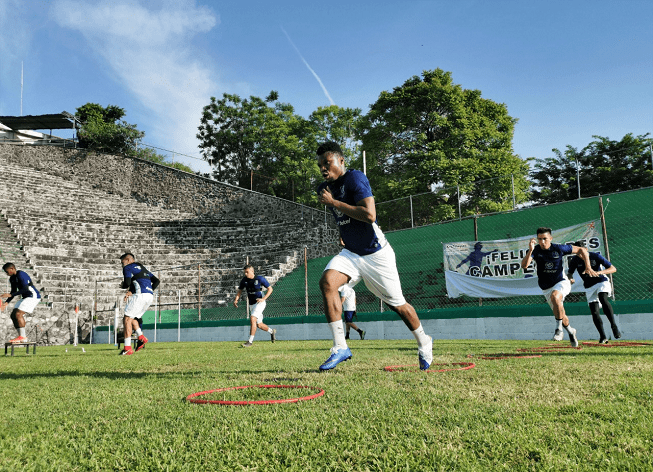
(604, 166)
(102, 130)
(432, 135)
(151, 155)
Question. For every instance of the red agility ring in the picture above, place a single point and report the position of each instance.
(465, 366)
(192, 397)
(617, 344)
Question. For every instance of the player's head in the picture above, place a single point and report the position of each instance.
(127, 258)
(331, 161)
(248, 270)
(544, 237)
(9, 268)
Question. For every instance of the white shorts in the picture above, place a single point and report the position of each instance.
(378, 271)
(27, 304)
(564, 287)
(592, 293)
(138, 304)
(256, 310)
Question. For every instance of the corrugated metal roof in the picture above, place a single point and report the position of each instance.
(63, 120)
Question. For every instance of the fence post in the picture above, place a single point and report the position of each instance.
(306, 278)
(460, 215)
(512, 178)
(156, 305)
(605, 241)
(199, 293)
(115, 325)
(179, 316)
(412, 223)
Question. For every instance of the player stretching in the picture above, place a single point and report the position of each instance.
(254, 284)
(597, 290)
(549, 261)
(140, 284)
(367, 255)
(348, 301)
(22, 285)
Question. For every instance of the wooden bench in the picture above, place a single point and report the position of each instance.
(27, 344)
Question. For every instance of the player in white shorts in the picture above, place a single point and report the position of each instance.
(21, 284)
(549, 262)
(597, 291)
(367, 255)
(140, 284)
(254, 285)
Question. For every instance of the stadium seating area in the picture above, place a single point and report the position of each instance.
(69, 237)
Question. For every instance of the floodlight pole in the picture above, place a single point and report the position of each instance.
(577, 177)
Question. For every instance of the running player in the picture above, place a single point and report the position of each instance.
(367, 255)
(254, 285)
(140, 284)
(597, 290)
(549, 261)
(21, 284)
(348, 301)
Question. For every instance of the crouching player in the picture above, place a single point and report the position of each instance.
(21, 284)
(140, 284)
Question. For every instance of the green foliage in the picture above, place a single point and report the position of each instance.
(151, 155)
(431, 133)
(102, 131)
(262, 144)
(604, 166)
(78, 412)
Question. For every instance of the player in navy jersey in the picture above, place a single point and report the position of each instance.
(140, 284)
(21, 284)
(254, 285)
(549, 261)
(367, 255)
(597, 290)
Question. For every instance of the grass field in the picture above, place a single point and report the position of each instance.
(588, 409)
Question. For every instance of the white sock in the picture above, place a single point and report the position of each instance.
(21, 332)
(338, 332)
(559, 324)
(422, 338)
(270, 330)
(139, 332)
(568, 327)
(251, 338)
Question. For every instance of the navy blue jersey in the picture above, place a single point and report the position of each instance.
(138, 279)
(254, 287)
(359, 237)
(550, 264)
(597, 261)
(21, 284)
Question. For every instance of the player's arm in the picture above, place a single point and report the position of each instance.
(527, 258)
(268, 292)
(238, 294)
(585, 256)
(155, 281)
(364, 210)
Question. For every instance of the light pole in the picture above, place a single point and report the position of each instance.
(577, 177)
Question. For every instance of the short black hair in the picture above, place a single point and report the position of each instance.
(8, 265)
(248, 266)
(126, 255)
(330, 147)
(543, 230)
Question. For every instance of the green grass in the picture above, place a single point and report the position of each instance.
(588, 409)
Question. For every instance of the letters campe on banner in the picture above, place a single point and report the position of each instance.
(492, 269)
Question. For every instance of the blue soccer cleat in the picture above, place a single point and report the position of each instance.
(336, 358)
(426, 355)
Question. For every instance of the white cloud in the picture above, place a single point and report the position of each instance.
(151, 53)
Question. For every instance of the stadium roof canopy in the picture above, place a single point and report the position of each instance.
(63, 120)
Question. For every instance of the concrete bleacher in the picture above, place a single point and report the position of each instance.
(69, 236)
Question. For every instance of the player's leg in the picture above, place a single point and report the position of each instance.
(18, 319)
(257, 311)
(128, 327)
(142, 340)
(330, 281)
(557, 298)
(596, 318)
(609, 313)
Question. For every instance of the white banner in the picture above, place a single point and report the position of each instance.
(492, 269)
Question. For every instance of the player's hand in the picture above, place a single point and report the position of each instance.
(5, 295)
(572, 281)
(127, 295)
(3, 305)
(531, 244)
(236, 303)
(325, 197)
(259, 300)
(589, 271)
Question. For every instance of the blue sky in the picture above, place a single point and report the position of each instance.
(566, 69)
